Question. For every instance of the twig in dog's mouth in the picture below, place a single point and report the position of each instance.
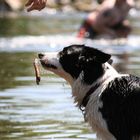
(37, 71)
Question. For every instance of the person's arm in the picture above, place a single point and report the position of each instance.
(35, 5)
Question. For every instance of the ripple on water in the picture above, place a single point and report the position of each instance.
(41, 112)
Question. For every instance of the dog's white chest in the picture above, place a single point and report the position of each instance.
(94, 116)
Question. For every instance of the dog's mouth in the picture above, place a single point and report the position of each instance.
(45, 63)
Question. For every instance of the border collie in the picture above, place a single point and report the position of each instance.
(109, 101)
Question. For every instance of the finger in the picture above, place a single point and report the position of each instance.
(45, 1)
(37, 5)
(29, 2)
(42, 7)
(42, 3)
(30, 9)
(33, 7)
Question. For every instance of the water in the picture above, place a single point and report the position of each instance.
(47, 111)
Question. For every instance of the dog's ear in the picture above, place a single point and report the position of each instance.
(90, 62)
(96, 57)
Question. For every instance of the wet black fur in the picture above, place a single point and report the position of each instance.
(121, 98)
(77, 58)
(121, 107)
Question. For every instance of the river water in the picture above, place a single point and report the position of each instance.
(47, 111)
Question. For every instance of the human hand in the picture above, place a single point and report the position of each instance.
(35, 5)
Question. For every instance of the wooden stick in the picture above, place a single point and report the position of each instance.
(37, 71)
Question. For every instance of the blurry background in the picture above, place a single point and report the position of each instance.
(28, 111)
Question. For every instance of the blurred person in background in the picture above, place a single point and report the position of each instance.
(108, 20)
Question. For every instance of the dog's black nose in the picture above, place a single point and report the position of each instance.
(40, 55)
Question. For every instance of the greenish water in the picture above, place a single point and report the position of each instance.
(14, 65)
(47, 111)
(47, 24)
(37, 25)
(28, 111)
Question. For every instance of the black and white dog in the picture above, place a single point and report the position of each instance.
(110, 101)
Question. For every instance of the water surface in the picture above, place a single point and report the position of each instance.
(47, 111)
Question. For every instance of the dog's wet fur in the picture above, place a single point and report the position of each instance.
(113, 105)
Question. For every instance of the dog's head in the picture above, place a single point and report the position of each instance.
(73, 60)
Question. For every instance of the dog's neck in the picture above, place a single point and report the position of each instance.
(80, 89)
